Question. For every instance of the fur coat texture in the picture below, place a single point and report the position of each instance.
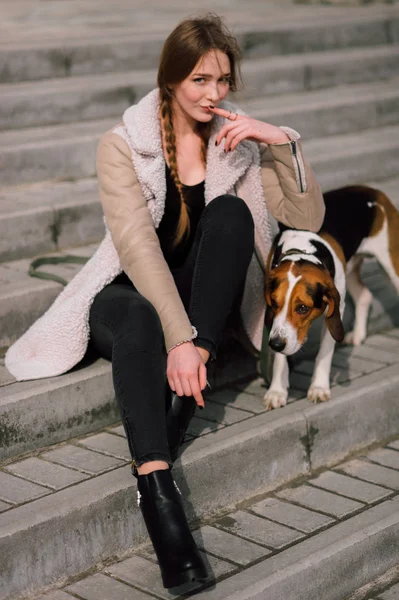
(58, 340)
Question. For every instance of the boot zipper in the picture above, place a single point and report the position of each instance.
(298, 168)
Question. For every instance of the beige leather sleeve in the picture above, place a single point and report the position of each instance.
(135, 239)
(292, 193)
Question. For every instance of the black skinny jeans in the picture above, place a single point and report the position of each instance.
(125, 327)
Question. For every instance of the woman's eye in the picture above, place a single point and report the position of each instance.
(302, 309)
(199, 79)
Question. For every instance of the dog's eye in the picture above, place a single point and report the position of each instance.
(302, 309)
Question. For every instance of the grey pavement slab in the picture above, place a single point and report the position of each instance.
(118, 430)
(355, 365)
(144, 574)
(45, 473)
(4, 506)
(258, 530)
(199, 426)
(371, 472)
(386, 457)
(223, 413)
(292, 515)
(394, 445)
(56, 595)
(100, 586)
(237, 399)
(390, 594)
(336, 562)
(82, 459)
(369, 353)
(108, 443)
(228, 546)
(350, 487)
(257, 387)
(15, 490)
(321, 500)
(387, 343)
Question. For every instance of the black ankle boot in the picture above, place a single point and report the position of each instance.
(178, 556)
(178, 419)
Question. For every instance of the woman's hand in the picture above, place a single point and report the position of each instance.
(240, 128)
(186, 372)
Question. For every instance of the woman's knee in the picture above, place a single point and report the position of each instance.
(130, 314)
(232, 213)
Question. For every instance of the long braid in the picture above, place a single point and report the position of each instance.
(183, 226)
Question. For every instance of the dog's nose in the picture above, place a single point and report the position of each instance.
(277, 344)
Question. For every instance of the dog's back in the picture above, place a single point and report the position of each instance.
(350, 214)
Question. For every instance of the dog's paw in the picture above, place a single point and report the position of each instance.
(275, 399)
(318, 393)
(353, 338)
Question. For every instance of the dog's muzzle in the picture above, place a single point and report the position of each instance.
(277, 343)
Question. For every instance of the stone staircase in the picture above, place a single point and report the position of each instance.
(331, 74)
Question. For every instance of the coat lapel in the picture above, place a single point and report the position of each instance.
(222, 170)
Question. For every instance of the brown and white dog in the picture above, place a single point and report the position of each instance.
(307, 276)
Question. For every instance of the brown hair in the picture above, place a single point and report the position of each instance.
(182, 50)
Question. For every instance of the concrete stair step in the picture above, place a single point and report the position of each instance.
(80, 98)
(23, 299)
(47, 217)
(124, 48)
(46, 509)
(58, 152)
(344, 109)
(38, 413)
(62, 152)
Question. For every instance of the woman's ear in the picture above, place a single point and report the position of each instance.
(333, 317)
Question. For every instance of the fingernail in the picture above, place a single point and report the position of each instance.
(201, 407)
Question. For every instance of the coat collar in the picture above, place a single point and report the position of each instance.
(222, 170)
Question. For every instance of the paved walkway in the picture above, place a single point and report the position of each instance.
(260, 535)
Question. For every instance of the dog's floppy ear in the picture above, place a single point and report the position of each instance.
(333, 318)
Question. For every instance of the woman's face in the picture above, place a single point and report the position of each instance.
(208, 83)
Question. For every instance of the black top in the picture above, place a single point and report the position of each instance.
(195, 201)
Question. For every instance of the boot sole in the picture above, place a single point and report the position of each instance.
(189, 576)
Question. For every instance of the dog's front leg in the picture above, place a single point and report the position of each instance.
(277, 393)
(319, 390)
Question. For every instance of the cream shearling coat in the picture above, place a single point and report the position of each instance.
(132, 183)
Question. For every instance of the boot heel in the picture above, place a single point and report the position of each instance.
(190, 576)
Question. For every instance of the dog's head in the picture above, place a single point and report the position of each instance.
(296, 294)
